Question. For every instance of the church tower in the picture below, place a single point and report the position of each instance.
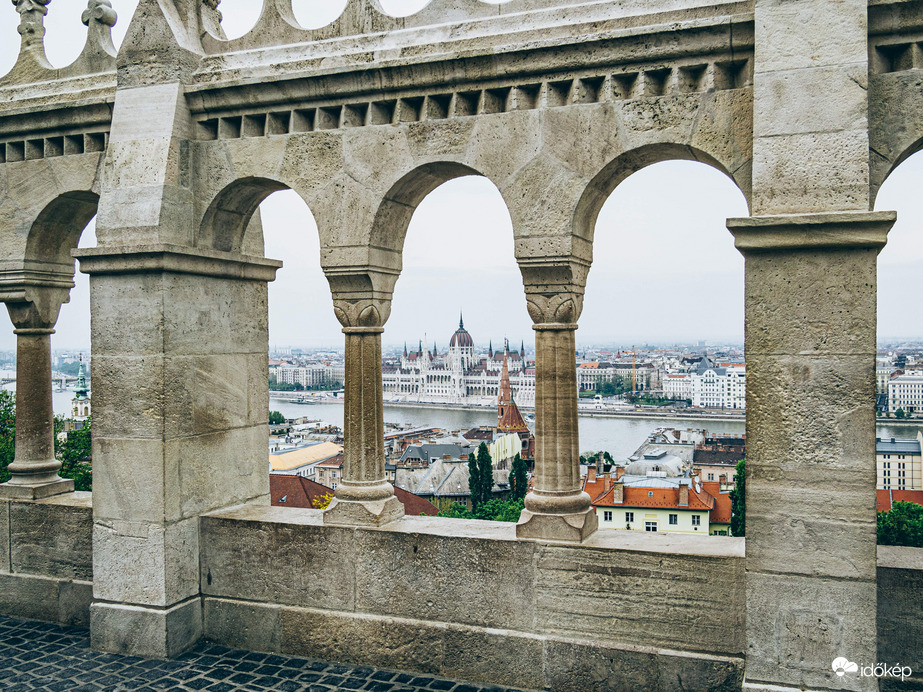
(461, 348)
(81, 400)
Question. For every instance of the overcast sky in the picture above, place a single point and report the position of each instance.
(665, 268)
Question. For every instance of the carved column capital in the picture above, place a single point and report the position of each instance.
(554, 290)
(361, 297)
(35, 310)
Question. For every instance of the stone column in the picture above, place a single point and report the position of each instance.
(811, 512)
(35, 469)
(180, 408)
(364, 497)
(557, 508)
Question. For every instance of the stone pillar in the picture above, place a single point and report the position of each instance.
(35, 469)
(364, 497)
(180, 428)
(811, 508)
(557, 508)
(810, 252)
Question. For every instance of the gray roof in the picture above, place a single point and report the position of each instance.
(896, 446)
(434, 451)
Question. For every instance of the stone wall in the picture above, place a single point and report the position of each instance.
(456, 597)
(46, 559)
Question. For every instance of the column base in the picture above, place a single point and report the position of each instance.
(574, 527)
(146, 631)
(36, 491)
(363, 513)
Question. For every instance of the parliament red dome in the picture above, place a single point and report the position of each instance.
(461, 337)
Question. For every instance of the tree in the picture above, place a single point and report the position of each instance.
(276, 418)
(486, 470)
(903, 525)
(474, 481)
(76, 457)
(739, 500)
(7, 433)
(519, 480)
(899, 413)
(321, 501)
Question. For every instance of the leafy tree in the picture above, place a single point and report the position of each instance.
(739, 500)
(486, 471)
(493, 510)
(7, 432)
(903, 525)
(474, 481)
(899, 413)
(500, 510)
(457, 511)
(276, 418)
(607, 458)
(519, 481)
(322, 501)
(76, 457)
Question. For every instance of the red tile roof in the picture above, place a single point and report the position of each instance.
(721, 513)
(887, 497)
(298, 492)
(663, 498)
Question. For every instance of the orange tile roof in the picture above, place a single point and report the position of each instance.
(298, 492)
(887, 497)
(663, 498)
(721, 513)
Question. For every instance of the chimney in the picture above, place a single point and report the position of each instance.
(607, 482)
(619, 472)
(684, 493)
(619, 495)
(591, 474)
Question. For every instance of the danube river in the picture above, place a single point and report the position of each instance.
(619, 436)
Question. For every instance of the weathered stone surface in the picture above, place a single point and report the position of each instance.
(52, 538)
(377, 641)
(252, 626)
(150, 632)
(500, 656)
(457, 571)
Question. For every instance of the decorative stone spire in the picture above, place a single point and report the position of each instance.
(32, 29)
(99, 18)
(211, 17)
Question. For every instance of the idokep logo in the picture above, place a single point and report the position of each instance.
(842, 665)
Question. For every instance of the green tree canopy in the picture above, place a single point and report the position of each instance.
(739, 500)
(486, 471)
(7, 433)
(276, 418)
(75, 454)
(519, 478)
(474, 481)
(903, 525)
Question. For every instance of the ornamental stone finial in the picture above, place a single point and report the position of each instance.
(213, 6)
(32, 18)
(100, 11)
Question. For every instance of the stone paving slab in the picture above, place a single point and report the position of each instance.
(41, 656)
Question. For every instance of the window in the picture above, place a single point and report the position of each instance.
(674, 519)
(696, 520)
(629, 516)
(711, 476)
(650, 526)
(607, 516)
(650, 493)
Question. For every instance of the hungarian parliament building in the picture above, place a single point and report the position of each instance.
(458, 375)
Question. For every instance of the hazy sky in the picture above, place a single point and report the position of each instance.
(665, 267)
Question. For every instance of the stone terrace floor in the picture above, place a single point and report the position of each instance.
(40, 656)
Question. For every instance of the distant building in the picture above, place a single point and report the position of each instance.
(905, 391)
(657, 502)
(81, 400)
(459, 375)
(899, 463)
(300, 492)
(708, 385)
(303, 460)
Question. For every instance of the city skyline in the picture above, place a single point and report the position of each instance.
(665, 268)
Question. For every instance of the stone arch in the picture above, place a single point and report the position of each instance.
(389, 227)
(58, 227)
(229, 214)
(882, 167)
(604, 183)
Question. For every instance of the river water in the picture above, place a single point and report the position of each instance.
(619, 436)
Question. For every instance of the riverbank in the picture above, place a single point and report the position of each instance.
(658, 414)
